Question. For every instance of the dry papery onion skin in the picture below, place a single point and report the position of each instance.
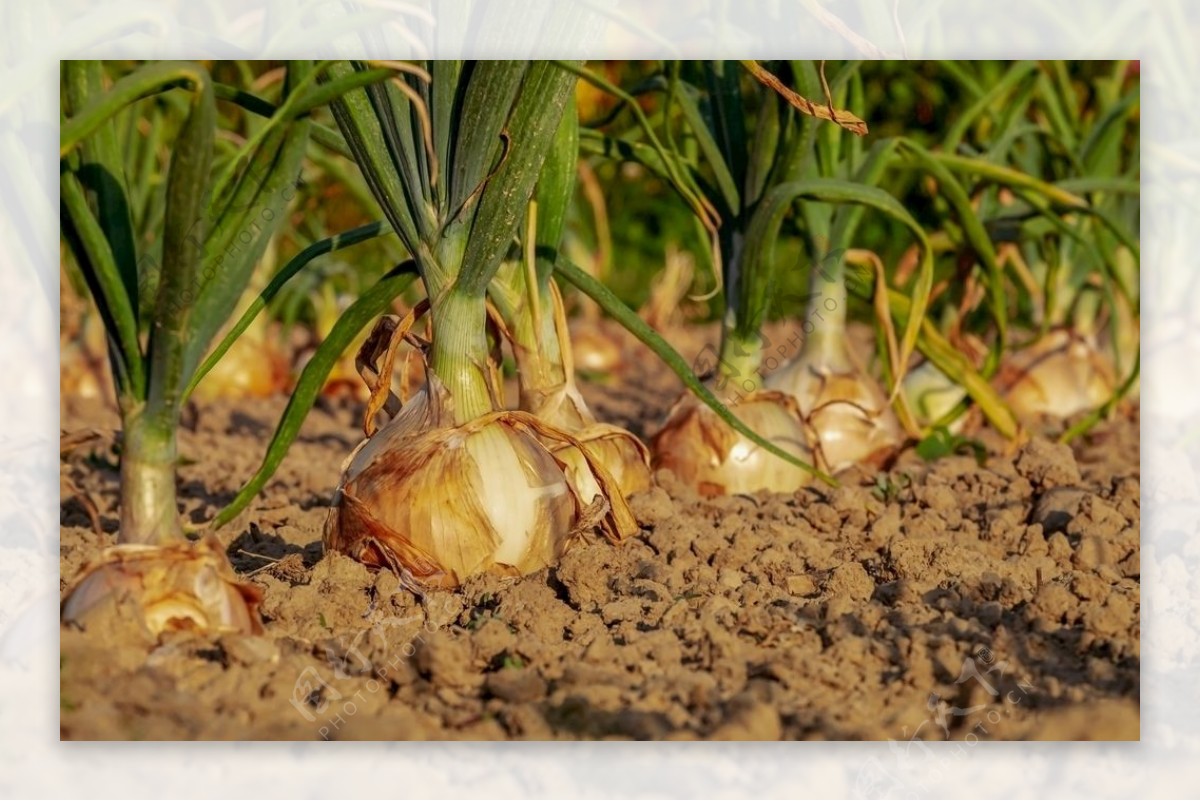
(704, 452)
(846, 412)
(563, 407)
(438, 504)
(175, 587)
(624, 455)
(1059, 375)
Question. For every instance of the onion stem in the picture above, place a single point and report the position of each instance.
(825, 343)
(536, 351)
(459, 354)
(148, 457)
(741, 358)
(541, 366)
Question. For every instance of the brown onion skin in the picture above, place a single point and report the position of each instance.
(846, 410)
(172, 587)
(707, 454)
(424, 506)
(1059, 375)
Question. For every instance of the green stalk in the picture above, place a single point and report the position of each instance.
(745, 309)
(540, 366)
(209, 248)
(747, 291)
(459, 354)
(148, 504)
(536, 350)
(149, 385)
(522, 293)
(825, 344)
(102, 172)
(741, 359)
(507, 117)
(95, 257)
(150, 79)
(149, 513)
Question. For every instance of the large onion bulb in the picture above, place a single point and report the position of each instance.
(440, 503)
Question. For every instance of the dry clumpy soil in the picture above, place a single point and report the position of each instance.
(938, 601)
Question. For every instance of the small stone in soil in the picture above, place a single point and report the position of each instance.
(446, 661)
(1055, 508)
(729, 579)
(1091, 553)
(652, 507)
(1048, 464)
(492, 638)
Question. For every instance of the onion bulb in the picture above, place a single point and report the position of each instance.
(846, 409)
(440, 503)
(253, 367)
(932, 394)
(594, 350)
(1059, 375)
(703, 451)
(170, 587)
(622, 454)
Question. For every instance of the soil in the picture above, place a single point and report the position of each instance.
(945, 600)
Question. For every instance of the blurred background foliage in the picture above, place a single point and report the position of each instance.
(1072, 124)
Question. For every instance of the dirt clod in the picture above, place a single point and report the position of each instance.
(518, 686)
(1048, 464)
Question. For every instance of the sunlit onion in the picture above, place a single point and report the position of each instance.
(707, 454)
(1060, 375)
(253, 367)
(622, 454)
(440, 503)
(846, 409)
(170, 587)
(594, 351)
(546, 376)
(932, 394)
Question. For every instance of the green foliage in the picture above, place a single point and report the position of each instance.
(216, 221)
(940, 443)
(888, 488)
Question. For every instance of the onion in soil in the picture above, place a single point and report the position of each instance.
(178, 586)
(706, 453)
(1059, 375)
(845, 408)
(439, 503)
